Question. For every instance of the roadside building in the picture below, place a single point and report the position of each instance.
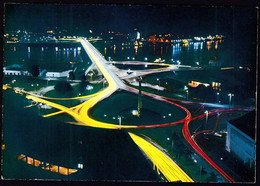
(196, 84)
(10, 72)
(241, 137)
(58, 74)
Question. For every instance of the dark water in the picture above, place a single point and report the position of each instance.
(228, 53)
(105, 154)
(52, 57)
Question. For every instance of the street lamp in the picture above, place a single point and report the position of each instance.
(187, 91)
(91, 74)
(48, 81)
(104, 83)
(217, 97)
(158, 81)
(230, 97)
(195, 161)
(207, 115)
(135, 112)
(206, 122)
(120, 121)
(33, 86)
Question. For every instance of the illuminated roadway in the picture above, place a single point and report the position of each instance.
(164, 164)
(81, 114)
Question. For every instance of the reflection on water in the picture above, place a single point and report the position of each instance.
(69, 145)
(202, 52)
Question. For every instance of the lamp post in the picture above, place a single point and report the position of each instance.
(120, 121)
(91, 74)
(48, 81)
(186, 90)
(195, 161)
(33, 86)
(217, 97)
(139, 107)
(104, 83)
(204, 124)
(207, 115)
(158, 81)
(230, 98)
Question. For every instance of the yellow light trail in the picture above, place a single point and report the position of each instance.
(78, 97)
(81, 112)
(227, 68)
(164, 163)
(171, 171)
(82, 118)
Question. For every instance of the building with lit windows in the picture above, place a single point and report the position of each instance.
(58, 74)
(10, 72)
(240, 137)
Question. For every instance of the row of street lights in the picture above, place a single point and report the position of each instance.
(146, 58)
(34, 86)
(230, 95)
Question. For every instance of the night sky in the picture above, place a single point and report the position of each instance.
(79, 19)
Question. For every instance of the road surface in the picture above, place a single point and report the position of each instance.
(81, 114)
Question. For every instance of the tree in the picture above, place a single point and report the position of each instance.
(212, 177)
(63, 87)
(71, 75)
(83, 85)
(83, 78)
(35, 70)
(202, 92)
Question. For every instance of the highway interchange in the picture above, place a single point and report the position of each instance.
(81, 113)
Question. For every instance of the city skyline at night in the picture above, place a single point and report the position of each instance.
(123, 18)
